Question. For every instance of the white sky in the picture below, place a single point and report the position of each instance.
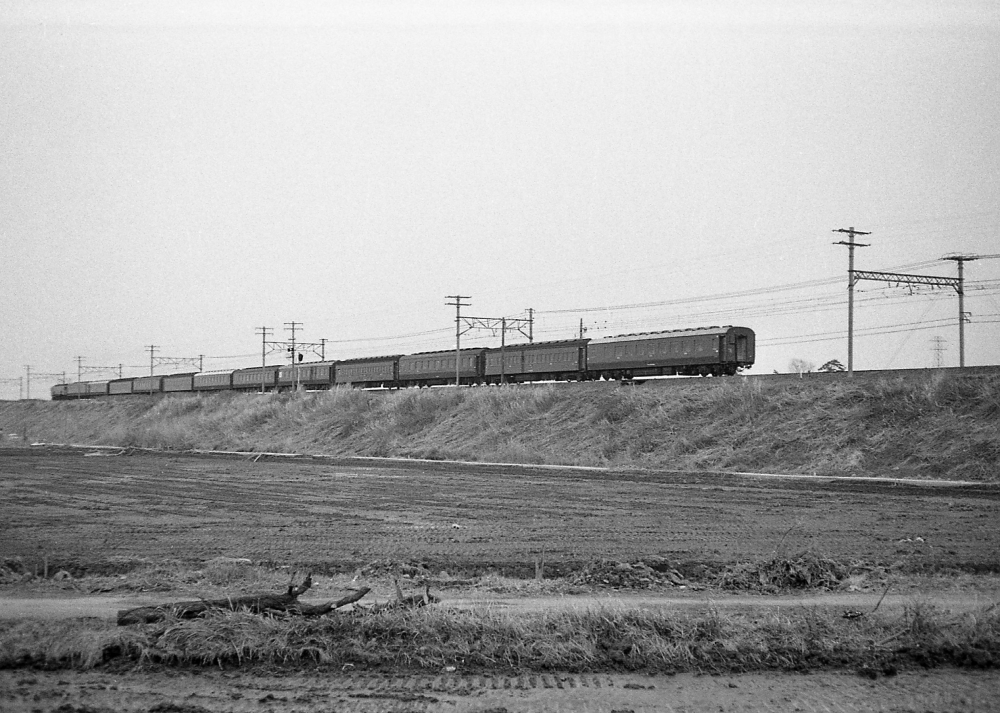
(180, 175)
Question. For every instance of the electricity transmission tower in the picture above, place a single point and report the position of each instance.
(939, 347)
(19, 380)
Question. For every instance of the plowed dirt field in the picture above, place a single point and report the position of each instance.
(87, 511)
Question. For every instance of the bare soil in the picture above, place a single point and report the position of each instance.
(97, 513)
(213, 691)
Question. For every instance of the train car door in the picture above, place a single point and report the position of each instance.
(741, 348)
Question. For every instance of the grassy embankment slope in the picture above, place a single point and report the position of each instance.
(926, 425)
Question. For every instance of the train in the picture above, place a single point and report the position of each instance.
(706, 351)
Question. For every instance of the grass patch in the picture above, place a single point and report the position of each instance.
(919, 425)
(592, 640)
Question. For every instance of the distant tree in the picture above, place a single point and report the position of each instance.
(800, 366)
(832, 366)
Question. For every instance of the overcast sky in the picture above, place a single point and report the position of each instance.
(181, 174)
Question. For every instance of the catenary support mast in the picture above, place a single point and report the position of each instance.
(851, 232)
(458, 304)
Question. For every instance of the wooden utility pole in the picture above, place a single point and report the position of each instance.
(851, 232)
(263, 332)
(458, 304)
(962, 316)
(291, 327)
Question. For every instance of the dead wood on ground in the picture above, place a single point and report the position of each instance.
(406, 602)
(286, 603)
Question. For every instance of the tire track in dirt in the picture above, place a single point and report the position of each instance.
(316, 691)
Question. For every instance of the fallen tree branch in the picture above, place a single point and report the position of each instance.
(255, 603)
(413, 601)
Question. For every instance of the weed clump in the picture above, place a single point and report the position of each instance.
(803, 571)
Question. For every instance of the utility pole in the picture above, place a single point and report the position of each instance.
(152, 363)
(292, 326)
(27, 369)
(851, 232)
(583, 330)
(263, 332)
(531, 325)
(963, 317)
(79, 368)
(458, 304)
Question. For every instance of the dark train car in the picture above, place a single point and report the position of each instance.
(96, 389)
(253, 378)
(60, 392)
(543, 361)
(212, 381)
(77, 390)
(178, 383)
(370, 372)
(714, 351)
(312, 375)
(437, 368)
(147, 385)
(120, 387)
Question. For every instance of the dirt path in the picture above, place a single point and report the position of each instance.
(70, 606)
(213, 691)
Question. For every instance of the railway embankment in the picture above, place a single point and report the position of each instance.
(922, 425)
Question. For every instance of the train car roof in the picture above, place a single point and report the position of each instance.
(359, 360)
(696, 332)
(308, 363)
(532, 345)
(443, 352)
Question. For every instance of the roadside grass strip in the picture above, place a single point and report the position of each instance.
(602, 639)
